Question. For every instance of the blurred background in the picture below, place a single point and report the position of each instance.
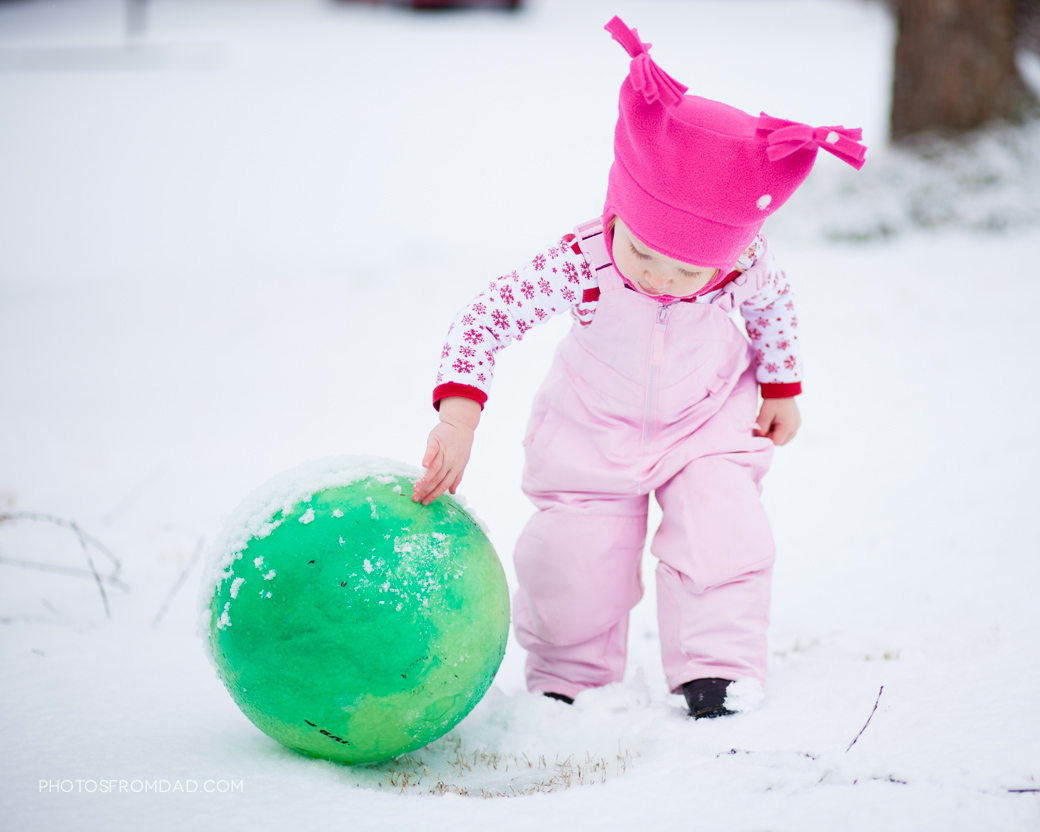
(234, 232)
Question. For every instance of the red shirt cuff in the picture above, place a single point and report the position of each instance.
(781, 391)
(442, 391)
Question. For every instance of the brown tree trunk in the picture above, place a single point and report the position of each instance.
(955, 66)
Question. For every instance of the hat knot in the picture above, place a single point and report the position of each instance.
(647, 77)
(785, 137)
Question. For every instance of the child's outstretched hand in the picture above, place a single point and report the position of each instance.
(447, 449)
(778, 420)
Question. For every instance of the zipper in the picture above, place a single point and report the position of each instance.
(653, 370)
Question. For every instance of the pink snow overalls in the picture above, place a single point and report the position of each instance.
(648, 397)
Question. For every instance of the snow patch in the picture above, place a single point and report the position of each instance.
(987, 181)
(763, 201)
(744, 695)
(615, 698)
(235, 585)
(308, 516)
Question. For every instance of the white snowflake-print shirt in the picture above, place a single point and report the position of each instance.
(558, 279)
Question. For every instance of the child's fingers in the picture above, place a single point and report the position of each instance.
(455, 483)
(777, 422)
(437, 487)
(430, 476)
(433, 460)
(782, 433)
(433, 495)
(425, 487)
(451, 479)
(433, 448)
(423, 492)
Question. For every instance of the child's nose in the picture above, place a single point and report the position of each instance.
(657, 281)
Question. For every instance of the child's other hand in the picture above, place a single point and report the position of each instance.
(447, 449)
(778, 420)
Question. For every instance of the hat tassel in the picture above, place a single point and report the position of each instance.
(785, 137)
(647, 77)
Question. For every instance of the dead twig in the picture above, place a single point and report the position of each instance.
(865, 724)
(85, 542)
(66, 524)
(62, 570)
(93, 570)
(180, 582)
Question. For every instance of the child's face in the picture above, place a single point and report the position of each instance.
(653, 273)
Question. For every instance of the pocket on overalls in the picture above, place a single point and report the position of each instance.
(543, 403)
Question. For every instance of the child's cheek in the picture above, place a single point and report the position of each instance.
(624, 265)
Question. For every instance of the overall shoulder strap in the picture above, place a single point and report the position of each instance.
(591, 240)
(744, 286)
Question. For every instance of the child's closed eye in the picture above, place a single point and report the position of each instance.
(638, 253)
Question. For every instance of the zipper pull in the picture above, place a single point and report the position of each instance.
(657, 348)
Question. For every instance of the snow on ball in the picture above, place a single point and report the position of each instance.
(348, 622)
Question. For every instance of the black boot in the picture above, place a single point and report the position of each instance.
(559, 696)
(706, 698)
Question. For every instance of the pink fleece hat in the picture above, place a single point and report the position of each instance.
(694, 179)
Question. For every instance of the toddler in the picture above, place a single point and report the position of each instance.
(655, 389)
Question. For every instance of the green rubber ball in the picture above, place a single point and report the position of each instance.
(352, 623)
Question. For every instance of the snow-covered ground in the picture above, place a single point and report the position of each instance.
(236, 245)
